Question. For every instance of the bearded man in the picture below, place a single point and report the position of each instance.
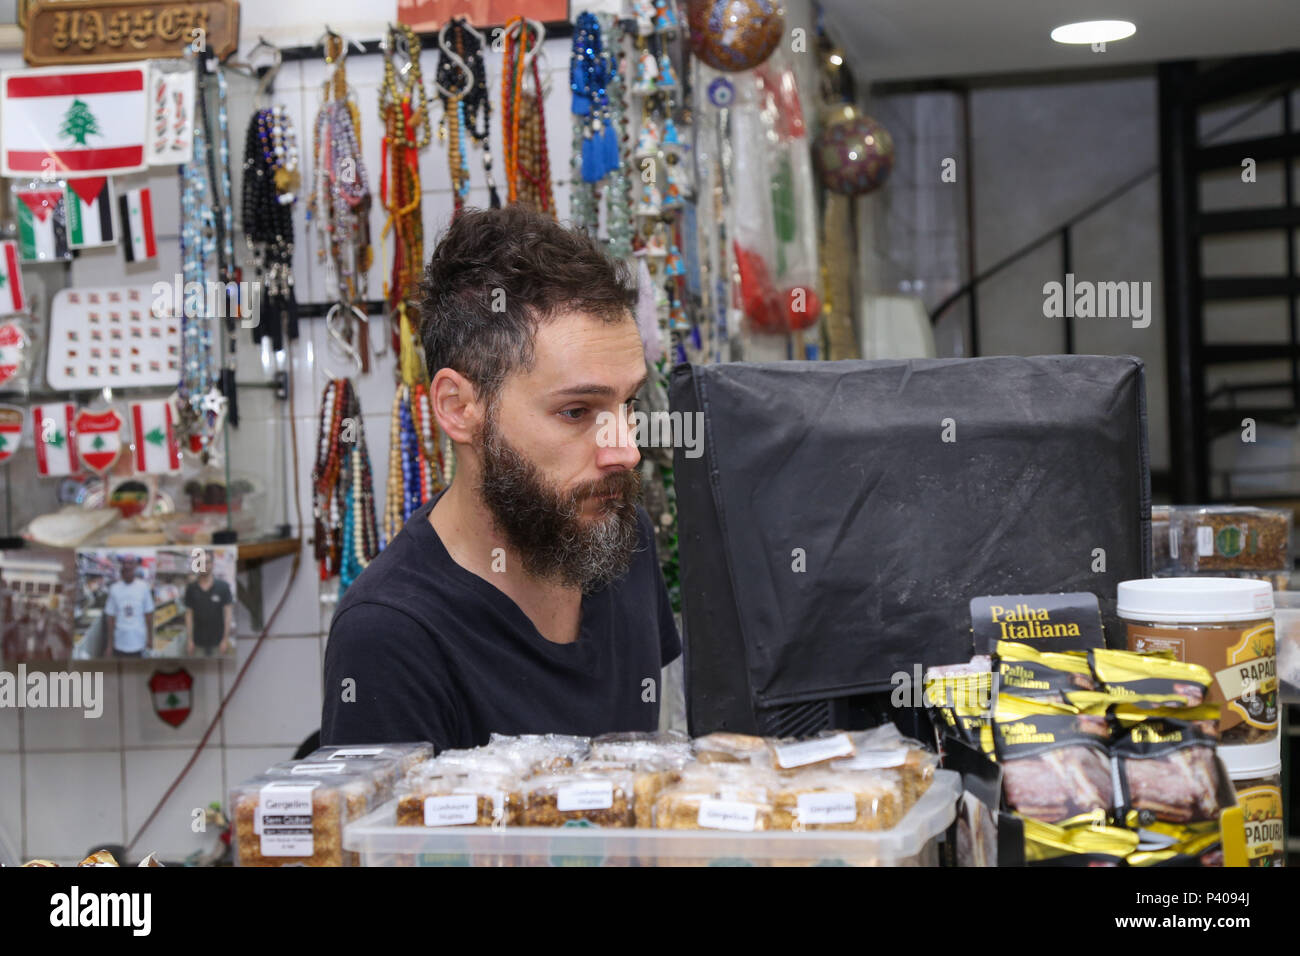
(527, 598)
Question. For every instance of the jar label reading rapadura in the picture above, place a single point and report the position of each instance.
(1243, 661)
(1261, 809)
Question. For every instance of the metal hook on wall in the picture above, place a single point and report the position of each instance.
(337, 339)
(456, 59)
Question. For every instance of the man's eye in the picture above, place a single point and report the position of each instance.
(574, 414)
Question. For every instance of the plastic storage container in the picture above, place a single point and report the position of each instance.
(297, 821)
(384, 772)
(406, 754)
(912, 842)
(1256, 772)
(1226, 626)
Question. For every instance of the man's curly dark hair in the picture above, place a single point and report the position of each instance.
(495, 276)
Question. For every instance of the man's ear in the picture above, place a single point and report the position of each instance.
(455, 405)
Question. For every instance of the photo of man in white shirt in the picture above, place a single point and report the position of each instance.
(128, 614)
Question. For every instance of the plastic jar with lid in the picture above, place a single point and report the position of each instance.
(1226, 626)
(1256, 772)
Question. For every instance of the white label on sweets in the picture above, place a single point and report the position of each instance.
(727, 815)
(594, 795)
(1204, 541)
(874, 760)
(813, 751)
(362, 753)
(451, 811)
(314, 768)
(283, 819)
(829, 807)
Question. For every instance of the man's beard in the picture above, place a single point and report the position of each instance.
(545, 526)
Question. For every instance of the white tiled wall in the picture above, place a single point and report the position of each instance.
(67, 783)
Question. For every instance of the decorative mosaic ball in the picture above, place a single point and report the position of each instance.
(855, 154)
(734, 35)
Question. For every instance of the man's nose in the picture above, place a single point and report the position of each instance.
(619, 447)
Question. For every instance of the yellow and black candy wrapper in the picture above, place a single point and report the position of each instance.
(1128, 675)
(1192, 844)
(960, 696)
(1055, 756)
(1055, 675)
(1081, 841)
(1164, 758)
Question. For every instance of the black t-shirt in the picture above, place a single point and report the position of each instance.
(439, 654)
(208, 608)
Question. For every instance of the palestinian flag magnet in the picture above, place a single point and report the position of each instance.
(42, 223)
(90, 212)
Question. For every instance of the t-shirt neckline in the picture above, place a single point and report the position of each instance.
(425, 534)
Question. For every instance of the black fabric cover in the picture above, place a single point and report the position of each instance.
(899, 529)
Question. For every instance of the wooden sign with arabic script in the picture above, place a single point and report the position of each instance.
(110, 31)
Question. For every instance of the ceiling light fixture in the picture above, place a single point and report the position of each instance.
(1094, 31)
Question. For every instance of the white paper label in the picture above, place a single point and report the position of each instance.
(283, 819)
(727, 815)
(813, 751)
(1204, 540)
(874, 760)
(829, 807)
(596, 795)
(357, 754)
(314, 768)
(450, 811)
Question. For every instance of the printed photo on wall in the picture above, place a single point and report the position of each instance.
(115, 605)
(37, 588)
(199, 584)
(167, 602)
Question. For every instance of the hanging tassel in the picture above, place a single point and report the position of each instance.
(494, 200)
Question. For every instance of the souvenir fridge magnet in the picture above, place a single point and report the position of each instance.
(73, 121)
(41, 212)
(171, 112)
(89, 204)
(137, 224)
(112, 337)
(172, 694)
(53, 433)
(14, 352)
(12, 298)
(11, 431)
(99, 439)
(153, 437)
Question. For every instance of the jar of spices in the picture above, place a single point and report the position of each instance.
(1226, 626)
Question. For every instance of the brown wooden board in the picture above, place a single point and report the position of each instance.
(111, 31)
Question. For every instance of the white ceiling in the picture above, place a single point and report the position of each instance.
(939, 39)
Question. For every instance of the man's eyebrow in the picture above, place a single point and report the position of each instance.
(595, 388)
